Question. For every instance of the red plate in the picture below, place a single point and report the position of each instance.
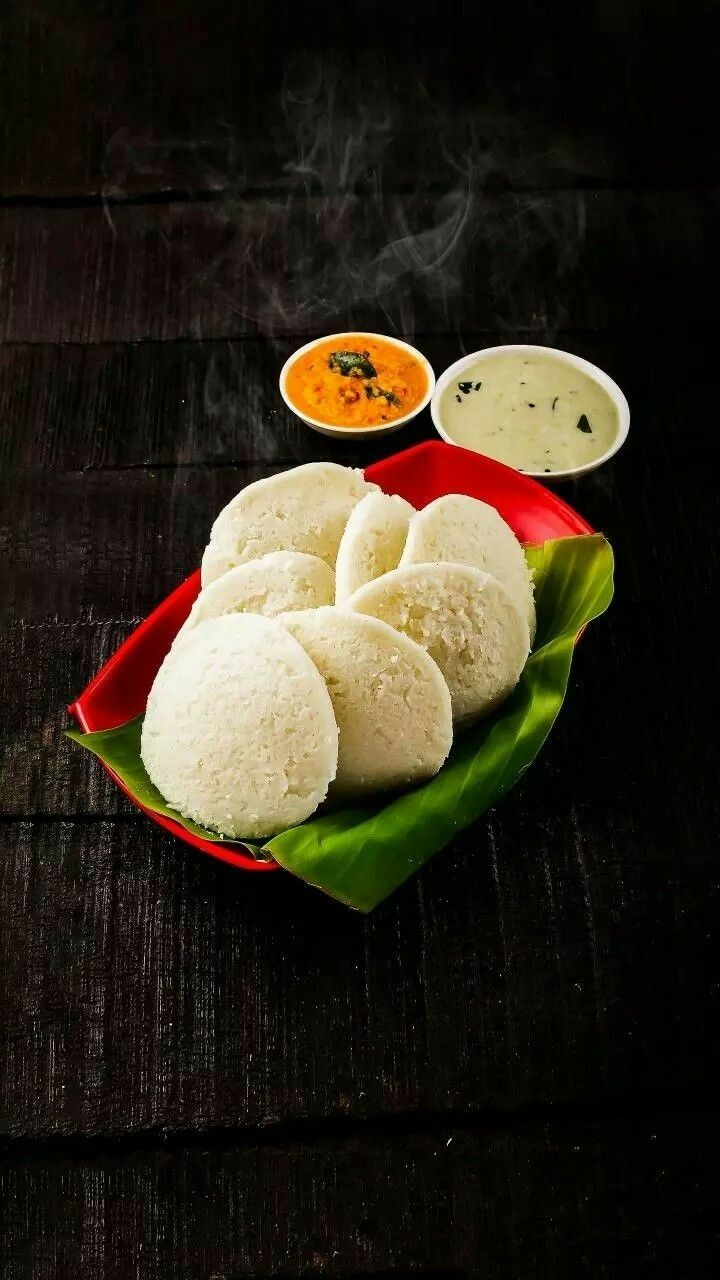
(119, 691)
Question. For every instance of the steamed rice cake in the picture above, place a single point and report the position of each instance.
(467, 622)
(391, 703)
(239, 733)
(279, 582)
(372, 543)
(463, 530)
(305, 509)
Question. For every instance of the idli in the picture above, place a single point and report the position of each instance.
(305, 509)
(466, 621)
(372, 543)
(465, 530)
(239, 732)
(276, 583)
(391, 703)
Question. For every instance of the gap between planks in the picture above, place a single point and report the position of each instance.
(119, 468)
(339, 1131)
(46, 819)
(269, 191)
(513, 333)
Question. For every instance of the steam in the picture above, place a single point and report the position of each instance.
(368, 204)
(363, 202)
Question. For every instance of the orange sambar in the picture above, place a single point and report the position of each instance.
(356, 381)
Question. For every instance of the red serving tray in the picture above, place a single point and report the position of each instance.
(120, 689)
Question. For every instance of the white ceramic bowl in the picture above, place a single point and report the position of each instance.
(564, 357)
(385, 428)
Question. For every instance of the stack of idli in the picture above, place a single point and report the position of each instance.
(338, 639)
(391, 703)
(372, 542)
(305, 509)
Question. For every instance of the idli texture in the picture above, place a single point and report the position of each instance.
(465, 619)
(239, 733)
(372, 543)
(391, 703)
(464, 530)
(276, 583)
(305, 509)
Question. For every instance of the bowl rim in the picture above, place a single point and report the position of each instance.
(329, 428)
(566, 357)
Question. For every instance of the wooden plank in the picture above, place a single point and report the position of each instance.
(157, 404)
(106, 545)
(109, 545)
(216, 403)
(48, 660)
(601, 1200)
(592, 861)
(69, 407)
(412, 262)
(557, 954)
(167, 98)
(79, 615)
(96, 548)
(43, 667)
(44, 774)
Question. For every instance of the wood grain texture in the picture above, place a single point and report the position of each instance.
(559, 1202)
(165, 97)
(551, 956)
(43, 666)
(441, 262)
(559, 952)
(109, 544)
(134, 535)
(97, 407)
(507, 1069)
(77, 408)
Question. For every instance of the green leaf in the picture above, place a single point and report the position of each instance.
(360, 855)
(352, 364)
(119, 749)
(377, 393)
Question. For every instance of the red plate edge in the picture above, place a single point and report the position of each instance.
(469, 471)
(171, 612)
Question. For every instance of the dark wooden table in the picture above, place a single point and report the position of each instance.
(508, 1069)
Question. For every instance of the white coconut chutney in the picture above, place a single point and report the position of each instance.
(533, 412)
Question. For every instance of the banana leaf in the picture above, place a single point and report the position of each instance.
(119, 749)
(361, 854)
